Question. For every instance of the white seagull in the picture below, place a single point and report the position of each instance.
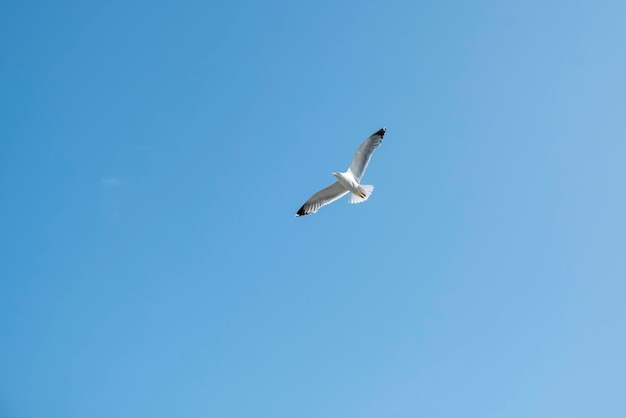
(348, 182)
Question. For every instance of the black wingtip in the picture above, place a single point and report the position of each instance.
(301, 212)
(381, 132)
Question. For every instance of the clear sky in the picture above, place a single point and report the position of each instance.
(153, 155)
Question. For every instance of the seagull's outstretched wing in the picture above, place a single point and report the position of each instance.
(364, 153)
(321, 198)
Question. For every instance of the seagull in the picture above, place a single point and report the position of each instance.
(348, 182)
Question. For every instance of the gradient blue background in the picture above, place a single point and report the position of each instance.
(152, 157)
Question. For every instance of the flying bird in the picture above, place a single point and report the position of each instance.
(348, 182)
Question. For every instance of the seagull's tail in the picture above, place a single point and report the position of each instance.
(365, 190)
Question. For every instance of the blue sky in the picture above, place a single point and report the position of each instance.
(152, 157)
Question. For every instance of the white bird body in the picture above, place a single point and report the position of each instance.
(348, 181)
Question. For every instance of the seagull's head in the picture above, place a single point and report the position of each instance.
(336, 174)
